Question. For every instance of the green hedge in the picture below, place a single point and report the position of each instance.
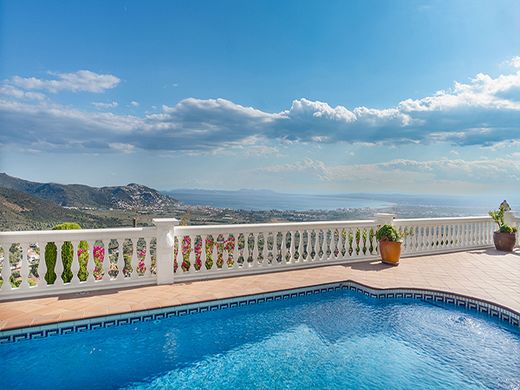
(67, 254)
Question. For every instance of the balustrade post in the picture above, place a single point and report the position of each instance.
(511, 219)
(384, 219)
(164, 252)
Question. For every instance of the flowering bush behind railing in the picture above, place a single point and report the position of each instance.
(83, 253)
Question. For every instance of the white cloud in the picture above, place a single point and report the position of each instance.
(105, 106)
(515, 62)
(83, 80)
(13, 92)
(484, 111)
(134, 103)
(400, 173)
(124, 148)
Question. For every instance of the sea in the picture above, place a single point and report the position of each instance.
(261, 200)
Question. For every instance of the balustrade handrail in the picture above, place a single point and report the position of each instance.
(263, 227)
(443, 220)
(78, 234)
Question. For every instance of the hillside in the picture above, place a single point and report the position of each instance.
(130, 197)
(20, 211)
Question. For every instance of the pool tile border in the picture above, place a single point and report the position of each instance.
(61, 328)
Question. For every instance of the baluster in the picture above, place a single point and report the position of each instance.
(292, 247)
(6, 270)
(321, 245)
(133, 262)
(465, 234)
(300, 246)
(328, 244)
(459, 235)
(192, 257)
(214, 253)
(409, 248)
(361, 242)
(334, 240)
(308, 246)
(24, 266)
(120, 260)
(245, 251)
(310, 243)
(106, 261)
(59, 264)
(419, 239)
(339, 256)
(180, 257)
(236, 252)
(426, 241)
(91, 263)
(148, 256)
(404, 245)
(264, 250)
(374, 243)
(455, 235)
(283, 248)
(248, 249)
(413, 231)
(255, 250)
(203, 257)
(449, 234)
(74, 267)
(347, 243)
(42, 267)
(313, 245)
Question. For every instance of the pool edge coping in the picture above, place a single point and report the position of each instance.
(479, 305)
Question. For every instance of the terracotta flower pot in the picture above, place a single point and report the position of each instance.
(504, 241)
(390, 252)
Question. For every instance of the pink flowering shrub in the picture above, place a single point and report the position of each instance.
(141, 267)
(222, 245)
(229, 246)
(175, 253)
(198, 252)
(186, 251)
(209, 252)
(99, 256)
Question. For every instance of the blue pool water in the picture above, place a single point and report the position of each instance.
(335, 340)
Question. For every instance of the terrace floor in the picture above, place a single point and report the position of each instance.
(483, 274)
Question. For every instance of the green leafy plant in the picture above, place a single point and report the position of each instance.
(498, 217)
(388, 233)
(507, 229)
(51, 252)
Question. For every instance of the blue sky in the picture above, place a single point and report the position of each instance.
(294, 96)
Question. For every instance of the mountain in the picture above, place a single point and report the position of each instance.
(130, 197)
(20, 211)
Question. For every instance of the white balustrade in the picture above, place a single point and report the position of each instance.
(81, 260)
(256, 248)
(93, 259)
(438, 235)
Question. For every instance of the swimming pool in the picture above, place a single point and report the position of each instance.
(338, 339)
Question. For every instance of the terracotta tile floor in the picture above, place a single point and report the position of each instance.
(483, 274)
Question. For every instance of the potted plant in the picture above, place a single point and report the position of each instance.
(505, 237)
(389, 244)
